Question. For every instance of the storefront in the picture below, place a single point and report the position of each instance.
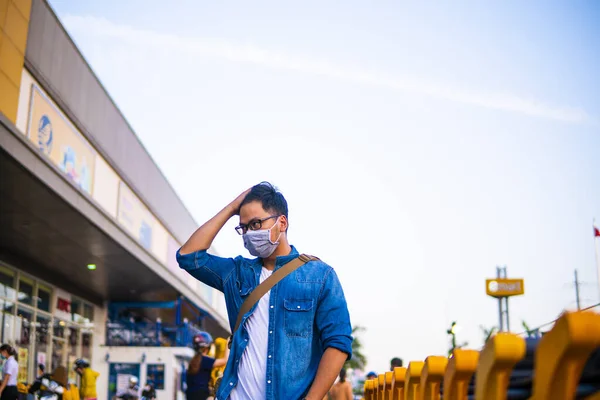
(45, 324)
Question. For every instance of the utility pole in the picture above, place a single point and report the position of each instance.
(503, 315)
(577, 292)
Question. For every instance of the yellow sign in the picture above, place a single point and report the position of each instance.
(504, 287)
(23, 364)
(55, 136)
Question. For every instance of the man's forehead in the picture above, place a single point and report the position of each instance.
(252, 211)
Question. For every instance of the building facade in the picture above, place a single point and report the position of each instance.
(89, 226)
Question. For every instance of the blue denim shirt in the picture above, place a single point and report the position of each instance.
(307, 314)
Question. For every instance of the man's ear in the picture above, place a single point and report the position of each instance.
(283, 223)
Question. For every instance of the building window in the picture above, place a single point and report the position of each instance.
(44, 296)
(86, 345)
(7, 283)
(25, 291)
(7, 321)
(156, 375)
(41, 337)
(59, 328)
(88, 312)
(23, 326)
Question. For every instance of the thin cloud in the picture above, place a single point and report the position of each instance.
(218, 48)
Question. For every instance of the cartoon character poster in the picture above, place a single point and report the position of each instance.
(57, 138)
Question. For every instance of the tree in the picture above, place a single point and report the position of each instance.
(531, 333)
(487, 333)
(453, 344)
(358, 360)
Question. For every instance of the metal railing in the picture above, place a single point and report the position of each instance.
(158, 334)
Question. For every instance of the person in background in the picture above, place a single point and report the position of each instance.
(372, 375)
(8, 387)
(41, 370)
(132, 392)
(396, 362)
(56, 386)
(88, 379)
(61, 386)
(37, 386)
(148, 393)
(342, 390)
(201, 365)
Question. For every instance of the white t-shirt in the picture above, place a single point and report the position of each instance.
(11, 366)
(252, 371)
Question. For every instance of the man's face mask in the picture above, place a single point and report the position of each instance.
(259, 243)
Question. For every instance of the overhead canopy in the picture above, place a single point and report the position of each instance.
(51, 229)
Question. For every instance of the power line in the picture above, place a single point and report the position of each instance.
(550, 323)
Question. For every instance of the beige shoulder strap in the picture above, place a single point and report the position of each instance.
(268, 283)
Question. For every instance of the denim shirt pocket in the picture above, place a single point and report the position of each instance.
(244, 288)
(298, 317)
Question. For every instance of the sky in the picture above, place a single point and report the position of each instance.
(419, 145)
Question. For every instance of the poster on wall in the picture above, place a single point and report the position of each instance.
(55, 136)
(156, 375)
(118, 377)
(23, 354)
(141, 224)
(62, 307)
(41, 358)
(134, 216)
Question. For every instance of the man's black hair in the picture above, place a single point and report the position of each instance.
(271, 199)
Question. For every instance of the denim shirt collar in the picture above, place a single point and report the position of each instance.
(279, 260)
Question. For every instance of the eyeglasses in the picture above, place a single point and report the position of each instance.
(253, 225)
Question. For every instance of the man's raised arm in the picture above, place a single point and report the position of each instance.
(192, 256)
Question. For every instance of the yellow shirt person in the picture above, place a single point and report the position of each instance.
(88, 379)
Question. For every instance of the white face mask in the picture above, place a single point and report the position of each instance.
(259, 242)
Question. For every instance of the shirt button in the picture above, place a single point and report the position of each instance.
(270, 332)
(269, 356)
(298, 306)
(271, 306)
(268, 381)
(230, 383)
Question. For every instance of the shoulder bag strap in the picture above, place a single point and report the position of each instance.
(268, 283)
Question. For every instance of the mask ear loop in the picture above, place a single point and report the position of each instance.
(276, 241)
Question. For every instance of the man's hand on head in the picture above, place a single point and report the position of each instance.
(235, 204)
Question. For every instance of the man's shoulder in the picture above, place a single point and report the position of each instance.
(317, 262)
(315, 270)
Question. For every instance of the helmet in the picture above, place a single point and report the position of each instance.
(81, 363)
(133, 380)
(201, 341)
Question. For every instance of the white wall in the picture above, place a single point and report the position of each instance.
(169, 356)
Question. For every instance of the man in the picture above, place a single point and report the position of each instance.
(88, 379)
(295, 340)
(131, 392)
(396, 362)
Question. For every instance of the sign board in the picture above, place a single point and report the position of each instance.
(23, 353)
(504, 287)
(57, 138)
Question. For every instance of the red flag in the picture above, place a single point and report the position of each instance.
(596, 232)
